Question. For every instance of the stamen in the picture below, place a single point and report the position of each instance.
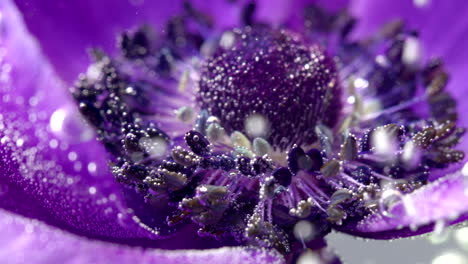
(265, 143)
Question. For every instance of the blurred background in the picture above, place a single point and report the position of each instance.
(450, 246)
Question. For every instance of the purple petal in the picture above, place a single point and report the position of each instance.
(66, 29)
(24, 240)
(442, 201)
(52, 168)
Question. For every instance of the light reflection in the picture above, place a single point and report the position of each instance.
(256, 126)
(450, 257)
(57, 119)
(67, 123)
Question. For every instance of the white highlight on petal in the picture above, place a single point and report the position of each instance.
(465, 169)
(57, 119)
(389, 199)
(409, 205)
(421, 3)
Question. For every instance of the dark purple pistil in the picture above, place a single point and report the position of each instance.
(275, 74)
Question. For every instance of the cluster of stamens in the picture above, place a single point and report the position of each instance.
(355, 138)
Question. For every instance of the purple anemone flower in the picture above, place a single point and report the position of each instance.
(230, 131)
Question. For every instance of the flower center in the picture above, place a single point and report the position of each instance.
(272, 84)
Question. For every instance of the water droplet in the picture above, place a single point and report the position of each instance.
(67, 123)
(155, 146)
(389, 199)
(72, 156)
(92, 167)
(92, 190)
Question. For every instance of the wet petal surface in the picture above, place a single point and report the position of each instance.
(53, 169)
(442, 202)
(24, 240)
